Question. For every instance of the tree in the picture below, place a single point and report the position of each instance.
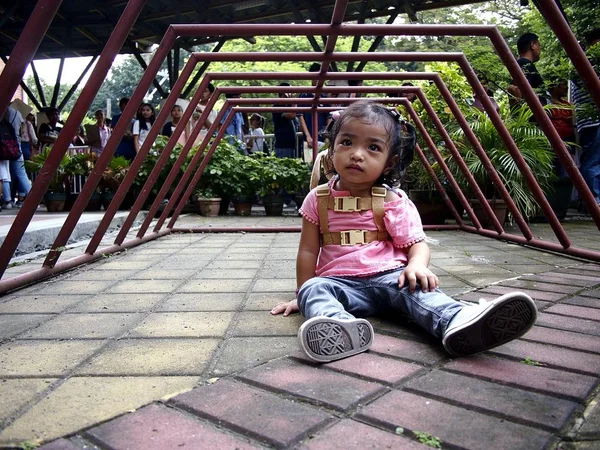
(49, 90)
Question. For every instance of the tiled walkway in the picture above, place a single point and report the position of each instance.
(139, 330)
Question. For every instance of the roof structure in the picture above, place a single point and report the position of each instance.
(82, 28)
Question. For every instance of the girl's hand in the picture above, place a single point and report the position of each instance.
(414, 272)
(286, 308)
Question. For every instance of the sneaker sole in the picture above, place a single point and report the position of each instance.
(510, 318)
(325, 339)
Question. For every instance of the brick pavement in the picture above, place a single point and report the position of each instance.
(190, 311)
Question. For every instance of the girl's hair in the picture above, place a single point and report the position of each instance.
(258, 117)
(142, 119)
(401, 135)
(176, 106)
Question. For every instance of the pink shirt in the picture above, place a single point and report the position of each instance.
(402, 222)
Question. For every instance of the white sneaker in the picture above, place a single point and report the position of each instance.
(7, 205)
(481, 327)
(325, 339)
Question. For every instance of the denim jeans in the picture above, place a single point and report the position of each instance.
(285, 152)
(589, 139)
(350, 297)
(19, 177)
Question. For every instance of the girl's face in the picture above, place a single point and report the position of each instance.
(146, 112)
(361, 153)
(255, 123)
(100, 116)
(206, 95)
(176, 112)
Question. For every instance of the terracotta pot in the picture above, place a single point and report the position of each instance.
(242, 205)
(431, 206)
(55, 201)
(209, 207)
(273, 205)
(498, 206)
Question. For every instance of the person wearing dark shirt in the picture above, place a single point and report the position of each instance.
(125, 147)
(306, 119)
(49, 131)
(285, 126)
(529, 49)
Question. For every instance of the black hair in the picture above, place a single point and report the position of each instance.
(284, 83)
(314, 67)
(142, 119)
(525, 42)
(123, 100)
(211, 87)
(592, 37)
(402, 135)
(354, 82)
(51, 111)
(258, 117)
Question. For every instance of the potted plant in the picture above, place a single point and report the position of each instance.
(208, 202)
(56, 193)
(112, 177)
(77, 169)
(534, 148)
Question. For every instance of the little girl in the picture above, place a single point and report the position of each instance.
(362, 252)
(169, 127)
(256, 142)
(141, 127)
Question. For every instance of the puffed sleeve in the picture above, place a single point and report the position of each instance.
(403, 222)
(309, 209)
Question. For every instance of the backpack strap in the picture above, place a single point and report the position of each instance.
(323, 193)
(378, 194)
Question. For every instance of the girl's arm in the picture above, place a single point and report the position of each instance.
(136, 136)
(306, 263)
(416, 270)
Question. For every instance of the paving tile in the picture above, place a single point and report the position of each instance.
(147, 286)
(184, 324)
(593, 293)
(16, 393)
(152, 357)
(564, 338)
(82, 402)
(559, 277)
(416, 413)
(242, 353)
(72, 287)
(540, 286)
(203, 302)
(84, 326)
(537, 378)
(569, 323)
(110, 303)
(228, 402)
(575, 311)
(102, 275)
(518, 405)
(536, 295)
(14, 324)
(349, 434)
(552, 356)
(232, 274)
(39, 303)
(409, 350)
(160, 428)
(588, 302)
(43, 358)
(212, 286)
(264, 301)
(376, 368)
(261, 323)
(124, 264)
(60, 444)
(322, 387)
(282, 285)
(239, 264)
(162, 274)
(401, 327)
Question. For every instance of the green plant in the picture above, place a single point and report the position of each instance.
(205, 193)
(59, 178)
(150, 162)
(278, 175)
(428, 439)
(114, 173)
(533, 146)
(531, 362)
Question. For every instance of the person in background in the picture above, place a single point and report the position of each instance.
(477, 101)
(285, 125)
(17, 175)
(256, 141)
(79, 138)
(212, 115)
(529, 49)
(48, 133)
(141, 127)
(103, 133)
(29, 139)
(235, 125)
(306, 119)
(169, 127)
(126, 147)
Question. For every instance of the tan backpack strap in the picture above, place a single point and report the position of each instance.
(349, 204)
(356, 237)
(378, 194)
(323, 193)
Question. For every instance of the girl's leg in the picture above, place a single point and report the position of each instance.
(19, 177)
(342, 298)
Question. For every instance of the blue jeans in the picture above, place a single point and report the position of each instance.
(285, 152)
(26, 149)
(589, 139)
(19, 177)
(350, 297)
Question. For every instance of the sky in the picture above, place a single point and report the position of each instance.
(47, 69)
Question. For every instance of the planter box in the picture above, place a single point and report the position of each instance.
(55, 201)
(209, 207)
(498, 206)
(273, 205)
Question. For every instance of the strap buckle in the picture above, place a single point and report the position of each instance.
(353, 237)
(346, 204)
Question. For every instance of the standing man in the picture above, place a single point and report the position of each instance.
(235, 126)
(588, 123)
(125, 147)
(286, 126)
(306, 119)
(529, 49)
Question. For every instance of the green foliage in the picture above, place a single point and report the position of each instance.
(428, 439)
(530, 140)
(281, 174)
(531, 362)
(114, 173)
(59, 178)
(150, 162)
